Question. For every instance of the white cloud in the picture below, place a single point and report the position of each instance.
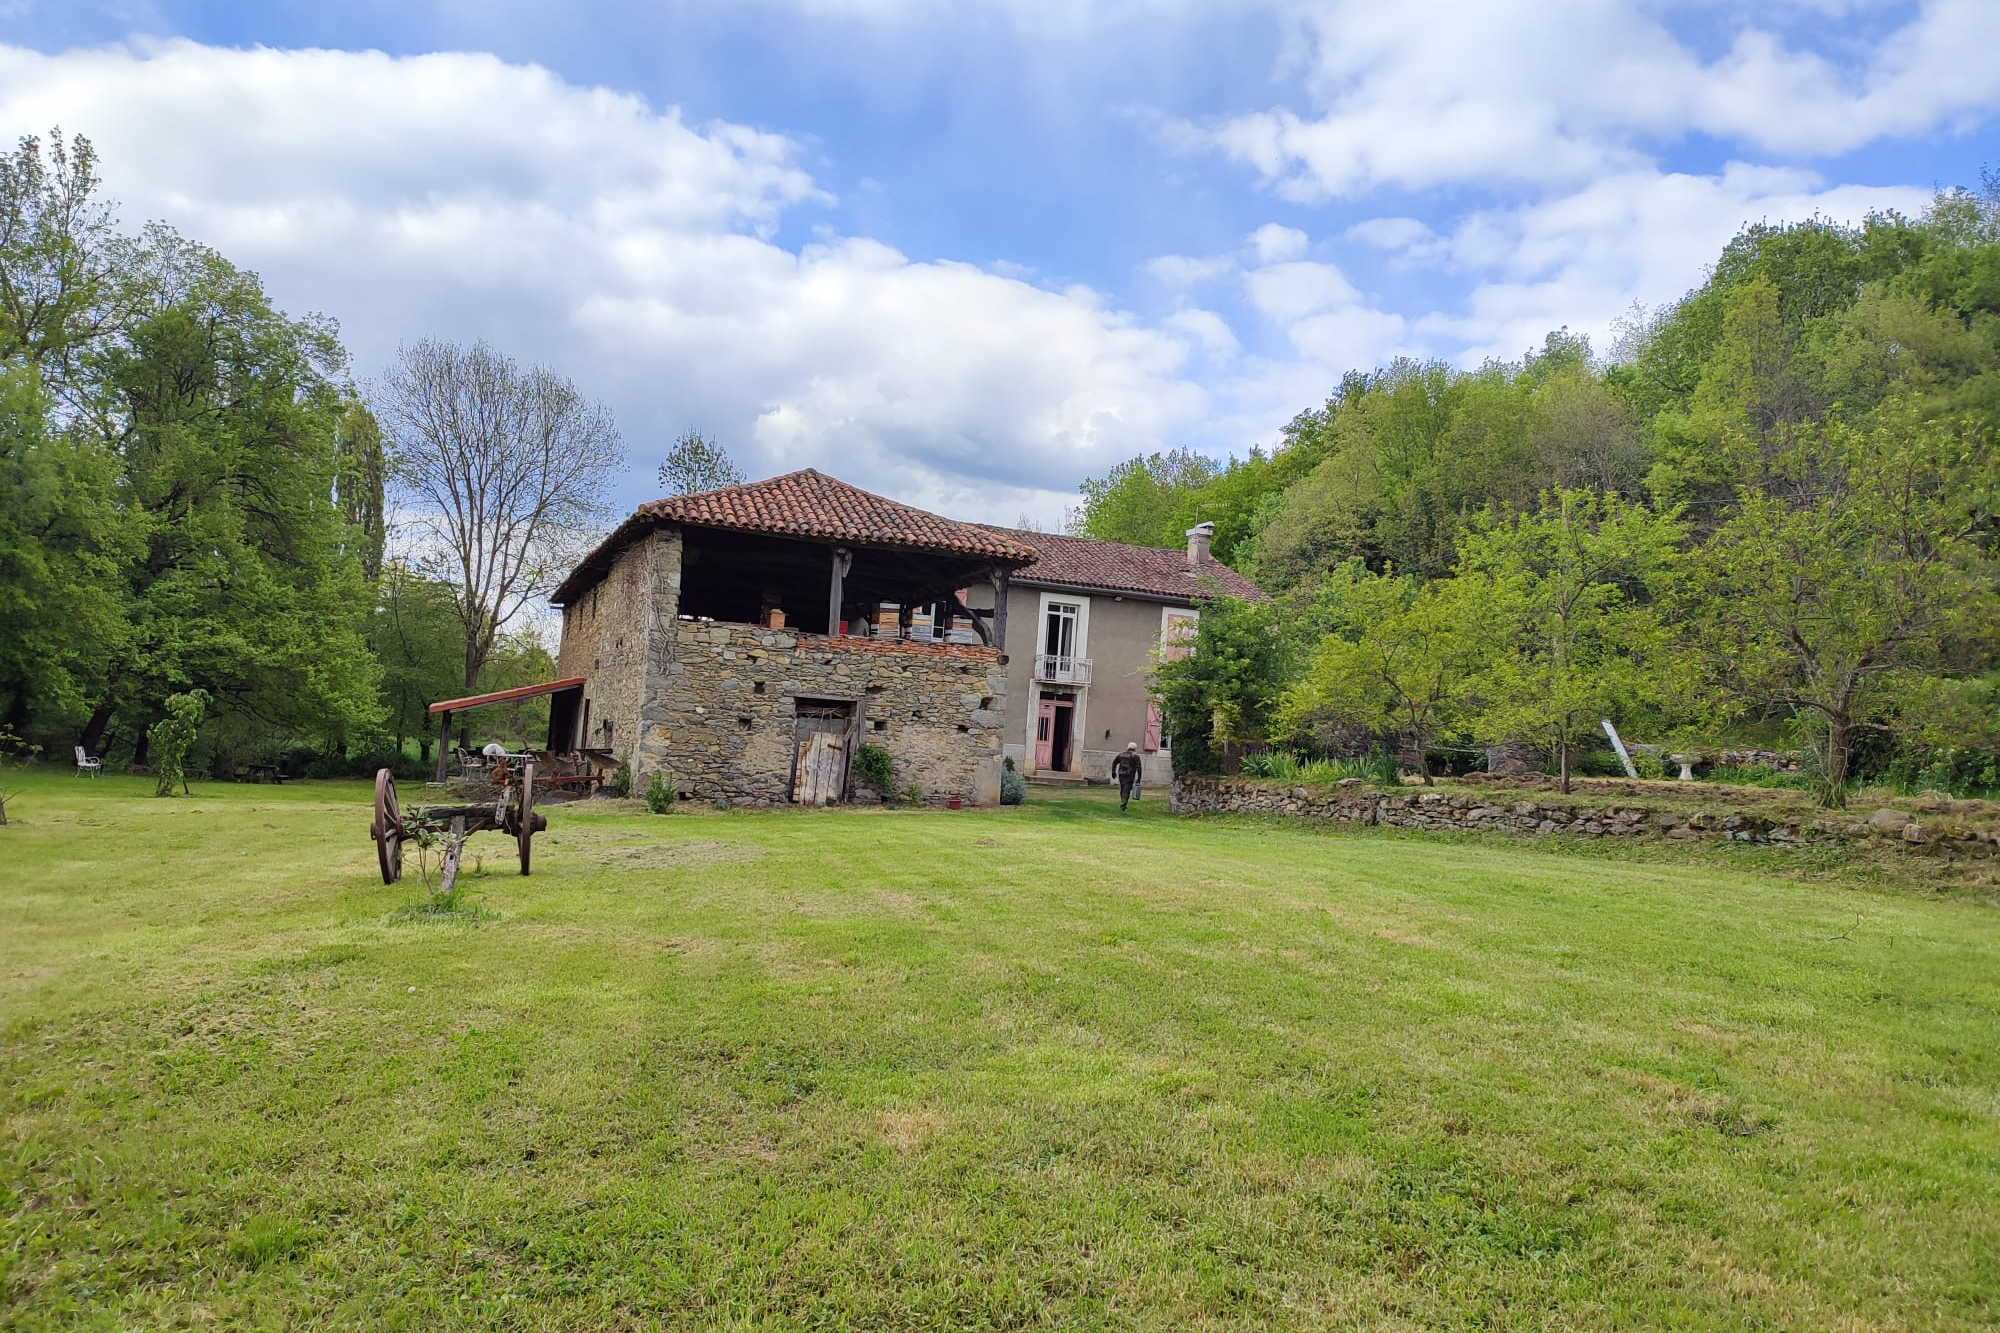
(1402, 235)
(460, 196)
(1272, 243)
(1188, 270)
(1208, 330)
(1580, 258)
(1294, 290)
(1438, 92)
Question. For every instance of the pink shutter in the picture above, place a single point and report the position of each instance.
(1152, 741)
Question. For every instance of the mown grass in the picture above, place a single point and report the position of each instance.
(1044, 1067)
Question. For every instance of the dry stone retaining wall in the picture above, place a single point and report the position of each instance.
(1353, 803)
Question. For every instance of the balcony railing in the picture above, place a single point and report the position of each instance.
(1055, 669)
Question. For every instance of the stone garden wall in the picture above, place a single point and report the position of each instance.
(1353, 803)
(720, 716)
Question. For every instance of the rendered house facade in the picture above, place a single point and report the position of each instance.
(1086, 621)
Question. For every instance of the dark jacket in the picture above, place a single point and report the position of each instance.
(1125, 768)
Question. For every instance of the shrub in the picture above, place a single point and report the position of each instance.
(620, 782)
(1013, 787)
(1288, 766)
(1756, 775)
(173, 736)
(874, 767)
(1957, 770)
(913, 795)
(659, 796)
(1379, 767)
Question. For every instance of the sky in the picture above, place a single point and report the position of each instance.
(967, 255)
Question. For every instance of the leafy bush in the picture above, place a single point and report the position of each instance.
(659, 795)
(1218, 697)
(1756, 775)
(1963, 771)
(912, 795)
(619, 784)
(874, 767)
(173, 736)
(1013, 787)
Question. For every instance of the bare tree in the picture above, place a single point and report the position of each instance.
(697, 464)
(504, 469)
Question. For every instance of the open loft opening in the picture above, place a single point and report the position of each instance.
(818, 587)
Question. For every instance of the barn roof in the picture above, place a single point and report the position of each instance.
(807, 505)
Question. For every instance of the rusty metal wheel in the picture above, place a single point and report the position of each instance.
(524, 814)
(388, 827)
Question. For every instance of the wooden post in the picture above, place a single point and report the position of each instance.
(979, 619)
(904, 613)
(998, 578)
(444, 743)
(946, 613)
(843, 560)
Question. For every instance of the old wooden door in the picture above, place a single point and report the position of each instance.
(819, 771)
(1045, 735)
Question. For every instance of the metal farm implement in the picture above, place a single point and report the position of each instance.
(512, 812)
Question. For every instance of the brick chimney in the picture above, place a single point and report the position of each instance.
(1199, 536)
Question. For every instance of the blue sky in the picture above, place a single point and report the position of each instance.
(968, 254)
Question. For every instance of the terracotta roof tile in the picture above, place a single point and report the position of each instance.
(1085, 562)
(811, 506)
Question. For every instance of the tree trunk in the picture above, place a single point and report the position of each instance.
(92, 739)
(1563, 766)
(1839, 749)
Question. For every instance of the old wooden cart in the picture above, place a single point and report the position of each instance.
(511, 812)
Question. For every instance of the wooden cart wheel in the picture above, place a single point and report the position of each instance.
(524, 814)
(388, 827)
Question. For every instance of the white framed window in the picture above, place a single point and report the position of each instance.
(1062, 640)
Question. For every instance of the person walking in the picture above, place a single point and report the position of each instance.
(1125, 768)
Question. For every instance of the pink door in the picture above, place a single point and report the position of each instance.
(1045, 735)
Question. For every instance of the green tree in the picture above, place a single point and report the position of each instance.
(55, 243)
(1872, 572)
(1576, 639)
(360, 473)
(415, 633)
(1403, 657)
(224, 415)
(1218, 697)
(698, 464)
(1147, 501)
(64, 547)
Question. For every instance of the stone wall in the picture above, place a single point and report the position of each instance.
(613, 635)
(721, 714)
(1354, 803)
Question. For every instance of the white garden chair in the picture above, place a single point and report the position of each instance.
(88, 765)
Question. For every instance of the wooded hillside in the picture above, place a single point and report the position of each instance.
(1767, 511)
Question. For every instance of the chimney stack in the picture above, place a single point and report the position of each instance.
(1198, 537)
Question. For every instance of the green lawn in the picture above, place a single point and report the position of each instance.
(1045, 1067)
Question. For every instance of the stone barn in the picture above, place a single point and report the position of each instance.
(734, 641)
